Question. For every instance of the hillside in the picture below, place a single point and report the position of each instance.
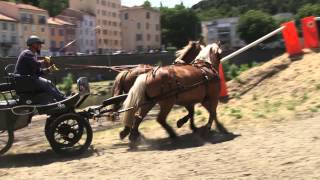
(229, 8)
(273, 114)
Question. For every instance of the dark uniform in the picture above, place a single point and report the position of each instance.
(28, 64)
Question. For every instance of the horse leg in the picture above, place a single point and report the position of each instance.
(165, 108)
(185, 119)
(134, 133)
(191, 116)
(212, 109)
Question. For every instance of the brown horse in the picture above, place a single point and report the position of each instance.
(125, 79)
(183, 85)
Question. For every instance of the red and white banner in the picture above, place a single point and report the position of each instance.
(310, 32)
(290, 36)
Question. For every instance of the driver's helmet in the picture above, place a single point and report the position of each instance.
(33, 40)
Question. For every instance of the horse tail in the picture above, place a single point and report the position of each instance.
(136, 97)
(117, 88)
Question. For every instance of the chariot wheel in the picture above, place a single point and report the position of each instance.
(6, 140)
(69, 134)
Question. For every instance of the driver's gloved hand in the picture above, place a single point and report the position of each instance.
(53, 68)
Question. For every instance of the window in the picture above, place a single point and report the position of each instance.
(148, 15)
(104, 12)
(114, 14)
(41, 19)
(114, 23)
(61, 44)
(147, 26)
(113, 5)
(90, 23)
(116, 42)
(105, 31)
(53, 44)
(138, 37)
(157, 38)
(4, 26)
(13, 39)
(33, 28)
(25, 28)
(103, 2)
(61, 33)
(148, 37)
(13, 27)
(126, 16)
(157, 27)
(43, 29)
(87, 42)
(106, 41)
(92, 43)
(139, 25)
(4, 38)
(98, 1)
(52, 32)
(104, 22)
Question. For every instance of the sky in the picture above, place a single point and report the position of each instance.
(156, 3)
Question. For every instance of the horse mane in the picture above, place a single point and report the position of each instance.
(117, 88)
(204, 54)
(182, 52)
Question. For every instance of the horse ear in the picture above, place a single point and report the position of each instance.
(201, 42)
(219, 43)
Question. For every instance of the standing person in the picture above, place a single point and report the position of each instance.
(28, 64)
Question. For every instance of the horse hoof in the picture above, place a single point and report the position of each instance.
(194, 130)
(173, 136)
(134, 136)
(180, 123)
(124, 133)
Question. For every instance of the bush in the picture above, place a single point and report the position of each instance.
(231, 71)
(66, 85)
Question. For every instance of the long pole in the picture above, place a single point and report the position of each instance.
(252, 44)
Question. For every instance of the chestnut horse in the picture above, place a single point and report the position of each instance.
(125, 79)
(183, 85)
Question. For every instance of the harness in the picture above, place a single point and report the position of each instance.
(208, 72)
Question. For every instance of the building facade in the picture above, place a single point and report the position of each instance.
(108, 27)
(224, 30)
(32, 21)
(86, 29)
(60, 34)
(8, 36)
(140, 28)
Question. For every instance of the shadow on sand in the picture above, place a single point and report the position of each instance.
(191, 140)
(38, 158)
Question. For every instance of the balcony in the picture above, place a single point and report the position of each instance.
(27, 20)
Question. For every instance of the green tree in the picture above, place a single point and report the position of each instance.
(179, 24)
(308, 10)
(146, 4)
(255, 24)
(53, 7)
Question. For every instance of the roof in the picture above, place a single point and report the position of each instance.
(125, 8)
(57, 21)
(6, 18)
(30, 7)
(25, 6)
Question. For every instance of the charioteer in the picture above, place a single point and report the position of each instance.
(29, 64)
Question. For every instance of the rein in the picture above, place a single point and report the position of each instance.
(110, 68)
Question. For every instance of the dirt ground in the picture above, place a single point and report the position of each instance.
(274, 125)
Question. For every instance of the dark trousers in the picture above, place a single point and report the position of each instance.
(46, 85)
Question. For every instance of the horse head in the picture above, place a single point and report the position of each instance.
(211, 54)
